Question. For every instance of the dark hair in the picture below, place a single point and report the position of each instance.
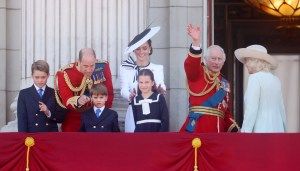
(150, 45)
(86, 51)
(40, 65)
(98, 89)
(147, 72)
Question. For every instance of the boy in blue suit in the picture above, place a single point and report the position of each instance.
(37, 110)
(98, 118)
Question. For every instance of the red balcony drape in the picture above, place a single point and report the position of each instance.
(150, 152)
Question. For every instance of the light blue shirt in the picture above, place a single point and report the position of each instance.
(101, 109)
(264, 109)
(37, 88)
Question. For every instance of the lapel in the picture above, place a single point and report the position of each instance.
(46, 94)
(93, 118)
(103, 115)
(35, 94)
(152, 97)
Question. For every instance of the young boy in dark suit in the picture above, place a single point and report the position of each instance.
(98, 118)
(37, 110)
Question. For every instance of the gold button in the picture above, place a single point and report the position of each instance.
(94, 126)
(36, 124)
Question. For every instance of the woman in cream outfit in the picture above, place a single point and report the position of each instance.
(264, 109)
(142, 48)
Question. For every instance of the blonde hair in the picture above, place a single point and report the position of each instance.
(258, 64)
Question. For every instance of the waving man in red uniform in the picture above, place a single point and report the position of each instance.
(73, 82)
(208, 90)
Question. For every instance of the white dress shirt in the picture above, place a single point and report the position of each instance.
(128, 81)
(101, 109)
(37, 88)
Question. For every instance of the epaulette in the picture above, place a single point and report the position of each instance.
(102, 61)
(67, 67)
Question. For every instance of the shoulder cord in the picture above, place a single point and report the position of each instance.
(215, 80)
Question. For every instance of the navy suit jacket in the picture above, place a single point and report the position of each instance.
(107, 122)
(30, 119)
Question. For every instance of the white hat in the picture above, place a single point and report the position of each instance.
(255, 51)
(141, 38)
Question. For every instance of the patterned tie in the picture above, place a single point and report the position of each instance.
(98, 111)
(40, 91)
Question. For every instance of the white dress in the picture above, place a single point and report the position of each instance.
(128, 82)
(264, 108)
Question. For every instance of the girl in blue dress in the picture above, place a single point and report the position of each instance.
(150, 109)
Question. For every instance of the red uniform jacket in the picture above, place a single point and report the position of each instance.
(70, 84)
(196, 82)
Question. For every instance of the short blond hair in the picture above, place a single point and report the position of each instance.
(258, 64)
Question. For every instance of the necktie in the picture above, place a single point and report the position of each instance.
(40, 91)
(98, 111)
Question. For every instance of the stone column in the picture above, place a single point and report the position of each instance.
(288, 72)
(10, 57)
(56, 30)
(171, 46)
(11, 64)
(3, 62)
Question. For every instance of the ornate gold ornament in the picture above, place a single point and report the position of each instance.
(214, 80)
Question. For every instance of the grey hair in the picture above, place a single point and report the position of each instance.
(209, 49)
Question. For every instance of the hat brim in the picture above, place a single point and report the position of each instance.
(243, 53)
(142, 40)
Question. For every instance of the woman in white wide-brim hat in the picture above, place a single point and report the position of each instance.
(141, 48)
(263, 109)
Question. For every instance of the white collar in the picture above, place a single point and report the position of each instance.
(101, 108)
(37, 88)
(148, 100)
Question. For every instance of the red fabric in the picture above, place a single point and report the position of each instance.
(195, 76)
(72, 122)
(150, 152)
(65, 92)
(72, 119)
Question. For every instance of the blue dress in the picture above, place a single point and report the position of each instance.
(151, 114)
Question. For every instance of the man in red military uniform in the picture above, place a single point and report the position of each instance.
(209, 91)
(73, 82)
